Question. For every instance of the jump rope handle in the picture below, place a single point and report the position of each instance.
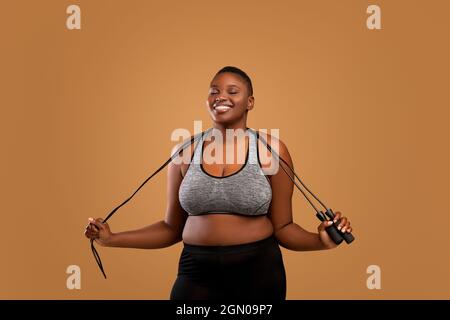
(335, 234)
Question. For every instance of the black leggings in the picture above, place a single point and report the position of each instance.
(250, 271)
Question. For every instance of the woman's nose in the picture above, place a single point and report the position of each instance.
(221, 98)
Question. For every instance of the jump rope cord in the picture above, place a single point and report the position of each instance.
(94, 251)
(176, 154)
(287, 165)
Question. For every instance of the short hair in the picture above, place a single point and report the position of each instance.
(240, 73)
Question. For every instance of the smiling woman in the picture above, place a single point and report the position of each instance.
(231, 217)
(230, 88)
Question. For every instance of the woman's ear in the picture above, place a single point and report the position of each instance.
(250, 102)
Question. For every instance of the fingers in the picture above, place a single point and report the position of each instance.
(97, 222)
(91, 234)
(344, 224)
(337, 216)
(325, 224)
(92, 229)
(346, 227)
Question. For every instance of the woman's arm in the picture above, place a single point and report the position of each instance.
(157, 235)
(289, 234)
(160, 234)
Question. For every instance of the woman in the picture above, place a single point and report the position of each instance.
(231, 217)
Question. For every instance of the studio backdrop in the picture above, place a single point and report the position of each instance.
(92, 90)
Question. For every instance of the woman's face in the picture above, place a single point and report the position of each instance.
(228, 98)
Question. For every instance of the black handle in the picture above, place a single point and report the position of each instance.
(348, 237)
(332, 231)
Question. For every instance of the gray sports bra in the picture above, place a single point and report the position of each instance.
(244, 192)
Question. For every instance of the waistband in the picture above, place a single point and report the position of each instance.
(271, 240)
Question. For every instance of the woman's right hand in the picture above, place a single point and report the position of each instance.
(99, 231)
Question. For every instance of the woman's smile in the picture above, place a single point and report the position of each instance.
(221, 108)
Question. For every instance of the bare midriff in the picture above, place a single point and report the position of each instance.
(222, 229)
(225, 229)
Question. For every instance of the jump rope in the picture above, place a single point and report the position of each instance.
(327, 215)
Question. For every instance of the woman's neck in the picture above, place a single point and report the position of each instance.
(234, 131)
(223, 128)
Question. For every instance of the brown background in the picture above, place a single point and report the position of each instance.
(86, 116)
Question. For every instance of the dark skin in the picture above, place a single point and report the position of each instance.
(225, 229)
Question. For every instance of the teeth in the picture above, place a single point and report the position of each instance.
(222, 108)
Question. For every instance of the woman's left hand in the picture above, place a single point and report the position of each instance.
(343, 226)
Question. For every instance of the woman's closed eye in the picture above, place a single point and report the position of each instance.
(216, 92)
